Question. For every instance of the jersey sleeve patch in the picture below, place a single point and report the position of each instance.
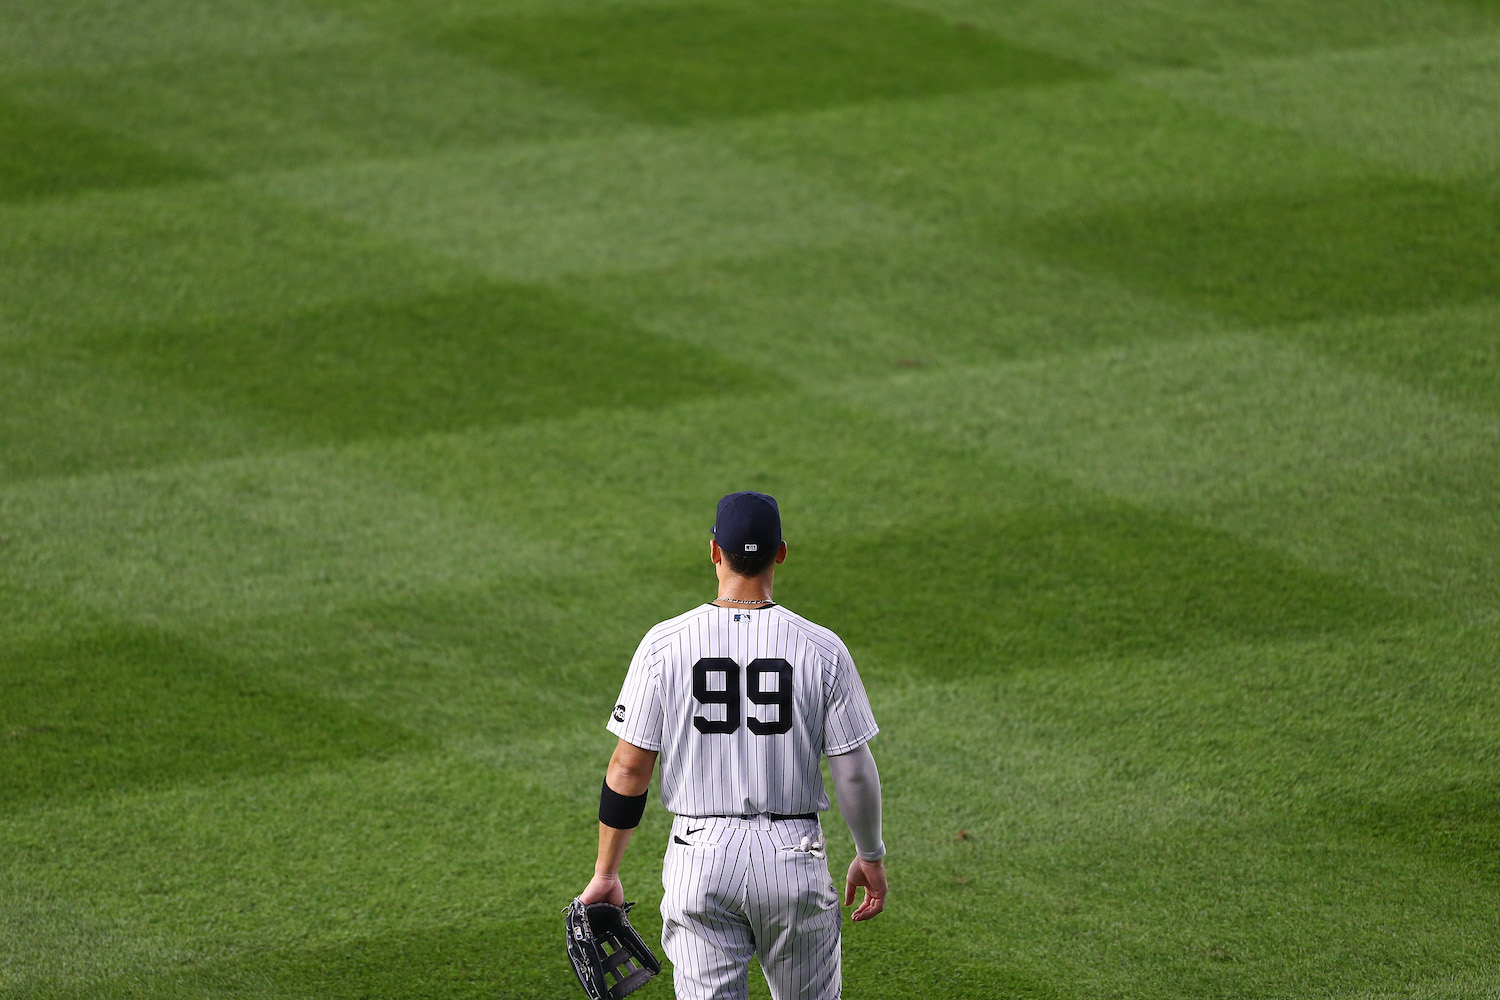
(635, 735)
(637, 716)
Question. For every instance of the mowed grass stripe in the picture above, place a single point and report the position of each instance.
(318, 103)
(226, 541)
(623, 202)
(115, 706)
(110, 260)
(45, 155)
(1223, 818)
(120, 354)
(1344, 470)
(286, 863)
(63, 415)
(680, 63)
(482, 355)
(1450, 351)
(1071, 580)
(1242, 738)
(869, 310)
(1172, 219)
(1428, 109)
(507, 669)
(323, 331)
(975, 163)
(1141, 33)
(81, 35)
(1368, 247)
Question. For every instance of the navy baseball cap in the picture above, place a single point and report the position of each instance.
(748, 522)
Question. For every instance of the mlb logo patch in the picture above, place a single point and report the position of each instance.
(742, 616)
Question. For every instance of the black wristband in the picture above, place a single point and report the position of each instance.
(623, 812)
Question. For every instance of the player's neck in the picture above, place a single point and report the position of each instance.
(738, 591)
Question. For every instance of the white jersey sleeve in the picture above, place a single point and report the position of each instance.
(637, 715)
(849, 722)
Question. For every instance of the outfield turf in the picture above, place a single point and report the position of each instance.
(1129, 375)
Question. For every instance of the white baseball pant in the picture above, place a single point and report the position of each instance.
(741, 886)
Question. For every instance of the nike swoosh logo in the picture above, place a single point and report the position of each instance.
(691, 831)
(678, 840)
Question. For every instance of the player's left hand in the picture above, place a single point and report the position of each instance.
(604, 889)
(871, 875)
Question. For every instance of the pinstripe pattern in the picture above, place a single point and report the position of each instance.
(736, 883)
(710, 774)
(740, 887)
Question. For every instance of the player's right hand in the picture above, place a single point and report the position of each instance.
(604, 889)
(871, 875)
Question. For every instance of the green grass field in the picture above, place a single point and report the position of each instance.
(1129, 375)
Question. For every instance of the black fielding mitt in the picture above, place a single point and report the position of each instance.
(602, 944)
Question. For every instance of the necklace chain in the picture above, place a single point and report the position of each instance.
(736, 600)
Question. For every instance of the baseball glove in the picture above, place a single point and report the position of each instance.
(602, 943)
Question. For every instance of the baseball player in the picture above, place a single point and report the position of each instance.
(740, 698)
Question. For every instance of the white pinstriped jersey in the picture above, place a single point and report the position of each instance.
(742, 705)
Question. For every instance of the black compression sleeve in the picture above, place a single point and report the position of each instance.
(623, 812)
